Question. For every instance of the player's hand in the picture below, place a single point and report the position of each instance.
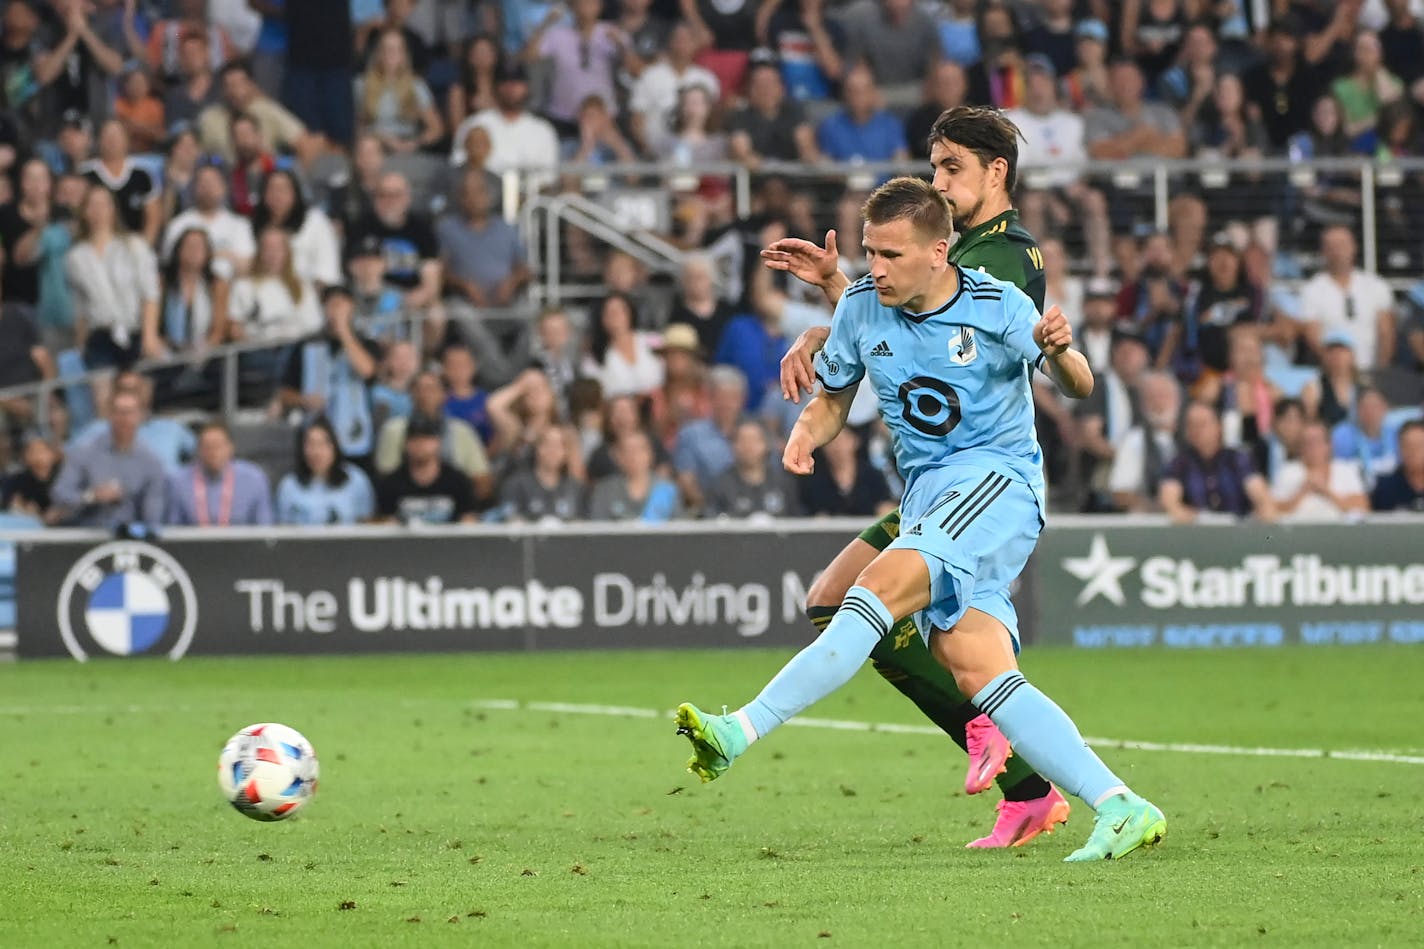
(797, 456)
(1053, 334)
(798, 373)
(803, 259)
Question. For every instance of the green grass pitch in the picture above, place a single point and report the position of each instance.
(440, 823)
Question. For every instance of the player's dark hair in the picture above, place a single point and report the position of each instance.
(986, 132)
(337, 476)
(911, 199)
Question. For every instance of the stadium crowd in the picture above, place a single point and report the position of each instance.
(322, 182)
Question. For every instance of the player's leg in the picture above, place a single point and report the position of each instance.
(904, 661)
(895, 584)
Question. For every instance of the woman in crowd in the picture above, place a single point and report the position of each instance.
(22, 226)
(135, 195)
(520, 413)
(194, 311)
(621, 357)
(323, 488)
(1331, 397)
(621, 414)
(395, 104)
(316, 251)
(1244, 396)
(636, 492)
(273, 303)
(547, 489)
(179, 170)
(113, 279)
(27, 491)
(475, 90)
(1318, 487)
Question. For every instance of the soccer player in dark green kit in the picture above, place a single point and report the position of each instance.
(974, 152)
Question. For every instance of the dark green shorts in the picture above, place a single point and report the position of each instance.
(882, 532)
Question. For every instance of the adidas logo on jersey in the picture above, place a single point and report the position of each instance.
(882, 349)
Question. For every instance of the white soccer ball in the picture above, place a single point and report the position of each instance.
(268, 771)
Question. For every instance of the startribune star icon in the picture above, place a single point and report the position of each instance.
(1100, 572)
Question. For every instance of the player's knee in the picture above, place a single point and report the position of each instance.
(826, 590)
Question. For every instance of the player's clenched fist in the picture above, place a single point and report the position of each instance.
(1053, 334)
(797, 456)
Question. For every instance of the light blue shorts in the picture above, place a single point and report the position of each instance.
(975, 528)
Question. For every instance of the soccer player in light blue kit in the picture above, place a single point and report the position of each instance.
(949, 354)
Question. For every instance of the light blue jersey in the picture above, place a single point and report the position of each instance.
(953, 383)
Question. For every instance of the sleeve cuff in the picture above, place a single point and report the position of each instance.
(830, 388)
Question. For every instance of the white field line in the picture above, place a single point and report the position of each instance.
(836, 724)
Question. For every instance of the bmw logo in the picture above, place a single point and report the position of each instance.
(127, 599)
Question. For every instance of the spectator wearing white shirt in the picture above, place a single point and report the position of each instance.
(316, 251)
(1051, 158)
(655, 95)
(621, 358)
(518, 138)
(1140, 457)
(1344, 299)
(1318, 486)
(230, 234)
(273, 304)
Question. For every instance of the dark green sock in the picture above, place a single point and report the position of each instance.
(903, 660)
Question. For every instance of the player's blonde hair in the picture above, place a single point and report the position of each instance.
(914, 200)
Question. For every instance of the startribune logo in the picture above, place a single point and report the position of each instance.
(882, 349)
(126, 599)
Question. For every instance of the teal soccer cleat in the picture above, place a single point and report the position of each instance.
(716, 741)
(1125, 822)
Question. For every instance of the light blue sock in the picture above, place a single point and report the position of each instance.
(822, 667)
(1047, 738)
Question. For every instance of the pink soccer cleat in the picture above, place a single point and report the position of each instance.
(1021, 821)
(988, 751)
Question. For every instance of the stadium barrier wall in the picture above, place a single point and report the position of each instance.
(1094, 583)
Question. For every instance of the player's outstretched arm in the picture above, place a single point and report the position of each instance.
(818, 266)
(1067, 367)
(821, 420)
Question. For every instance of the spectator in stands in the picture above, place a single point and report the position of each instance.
(482, 256)
(636, 491)
(521, 413)
(843, 483)
(752, 487)
(466, 401)
(390, 396)
(378, 305)
(351, 198)
(1187, 85)
(518, 138)
(1403, 489)
(1402, 42)
(1369, 439)
(410, 249)
(554, 349)
(1207, 477)
(332, 374)
(459, 445)
(1283, 443)
(621, 357)
(1089, 85)
(583, 54)
(167, 439)
(958, 29)
(621, 414)
(694, 136)
(30, 490)
(807, 44)
(81, 60)
(251, 164)
(862, 131)
(23, 360)
(1054, 37)
(425, 489)
(323, 487)
(318, 69)
(113, 277)
(394, 103)
(771, 127)
(1151, 33)
(73, 144)
(55, 310)
(474, 91)
(218, 490)
(165, 39)
(278, 130)
(22, 226)
(1318, 486)
(1223, 297)
(704, 446)
(647, 33)
(1244, 395)
(1367, 88)
(140, 110)
(1142, 453)
(112, 478)
(1332, 397)
(397, 17)
(545, 490)
(1343, 299)
(196, 87)
(754, 343)
(1153, 302)
(1132, 127)
(316, 249)
(655, 95)
(135, 195)
(683, 395)
(1105, 417)
(900, 44)
(193, 315)
(698, 305)
(997, 79)
(180, 169)
(1051, 159)
(946, 87)
(1282, 90)
(229, 234)
(725, 33)
(273, 304)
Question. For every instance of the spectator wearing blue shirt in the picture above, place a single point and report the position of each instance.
(753, 345)
(1368, 440)
(171, 441)
(703, 449)
(218, 490)
(324, 488)
(466, 400)
(862, 131)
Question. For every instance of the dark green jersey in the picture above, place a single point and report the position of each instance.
(1001, 248)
